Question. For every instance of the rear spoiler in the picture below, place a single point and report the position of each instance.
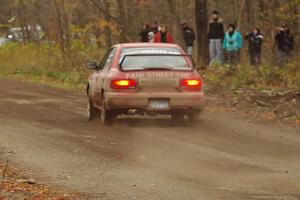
(183, 55)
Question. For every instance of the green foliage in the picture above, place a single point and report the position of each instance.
(46, 62)
(263, 77)
(290, 74)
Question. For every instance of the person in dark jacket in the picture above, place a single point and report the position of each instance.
(144, 33)
(163, 36)
(189, 37)
(255, 41)
(285, 45)
(215, 36)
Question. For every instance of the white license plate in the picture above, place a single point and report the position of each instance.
(159, 104)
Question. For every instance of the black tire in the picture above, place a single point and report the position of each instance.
(108, 117)
(193, 117)
(177, 118)
(92, 112)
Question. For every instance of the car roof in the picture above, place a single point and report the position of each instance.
(136, 45)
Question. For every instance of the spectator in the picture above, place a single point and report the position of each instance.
(151, 36)
(155, 27)
(189, 37)
(144, 33)
(215, 36)
(232, 44)
(163, 36)
(285, 45)
(255, 40)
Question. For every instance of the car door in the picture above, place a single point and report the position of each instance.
(101, 74)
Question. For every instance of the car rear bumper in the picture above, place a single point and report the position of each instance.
(177, 101)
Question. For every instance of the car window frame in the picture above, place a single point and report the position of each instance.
(185, 55)
(104, 63)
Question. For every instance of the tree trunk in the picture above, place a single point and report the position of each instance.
(65, 18)
(63, 26)
(177, 21)
(107, 30)
(202, 26)
(122, 22)
(241, 13)
(60, 27)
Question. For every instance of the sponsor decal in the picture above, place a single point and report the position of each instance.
(150, 51)
(157, 76)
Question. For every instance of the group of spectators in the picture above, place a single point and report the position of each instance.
(155, 34)
(225, 44)
(159, 34)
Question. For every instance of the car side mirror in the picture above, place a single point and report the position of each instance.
(92, 65)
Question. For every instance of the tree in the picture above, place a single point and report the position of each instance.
(202, 26)
(242, 12)
(63, 25)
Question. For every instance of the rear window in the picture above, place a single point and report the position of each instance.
(154, 58)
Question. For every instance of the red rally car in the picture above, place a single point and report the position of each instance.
(144, 79)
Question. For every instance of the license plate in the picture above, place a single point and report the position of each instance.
(159, 104)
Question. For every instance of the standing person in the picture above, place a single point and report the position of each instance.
(255, 41)
(232, 44)
(151, 36)
(155, 27)
(144, 33)
(189, 37)
(163, 36)
(285, 45)
(215, 36)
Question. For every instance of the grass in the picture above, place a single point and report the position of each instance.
(44, 63)
(246, 76)
(44, 80)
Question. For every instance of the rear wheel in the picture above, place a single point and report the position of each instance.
(177, 118)
(194, 116)
(92, 112)
(108, 117)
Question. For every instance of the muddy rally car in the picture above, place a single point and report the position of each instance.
(144, 79)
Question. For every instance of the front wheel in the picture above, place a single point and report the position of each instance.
(108, 117)
(92, 112)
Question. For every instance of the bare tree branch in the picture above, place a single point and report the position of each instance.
(103, 11)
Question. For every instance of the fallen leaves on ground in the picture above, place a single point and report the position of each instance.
(268, 105)
(11, 188)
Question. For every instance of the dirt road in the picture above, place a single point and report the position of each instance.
(221, 157)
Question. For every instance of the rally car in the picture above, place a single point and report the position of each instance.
(144, 79)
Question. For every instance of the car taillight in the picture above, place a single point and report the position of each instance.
(191, 84)
(124, 84)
